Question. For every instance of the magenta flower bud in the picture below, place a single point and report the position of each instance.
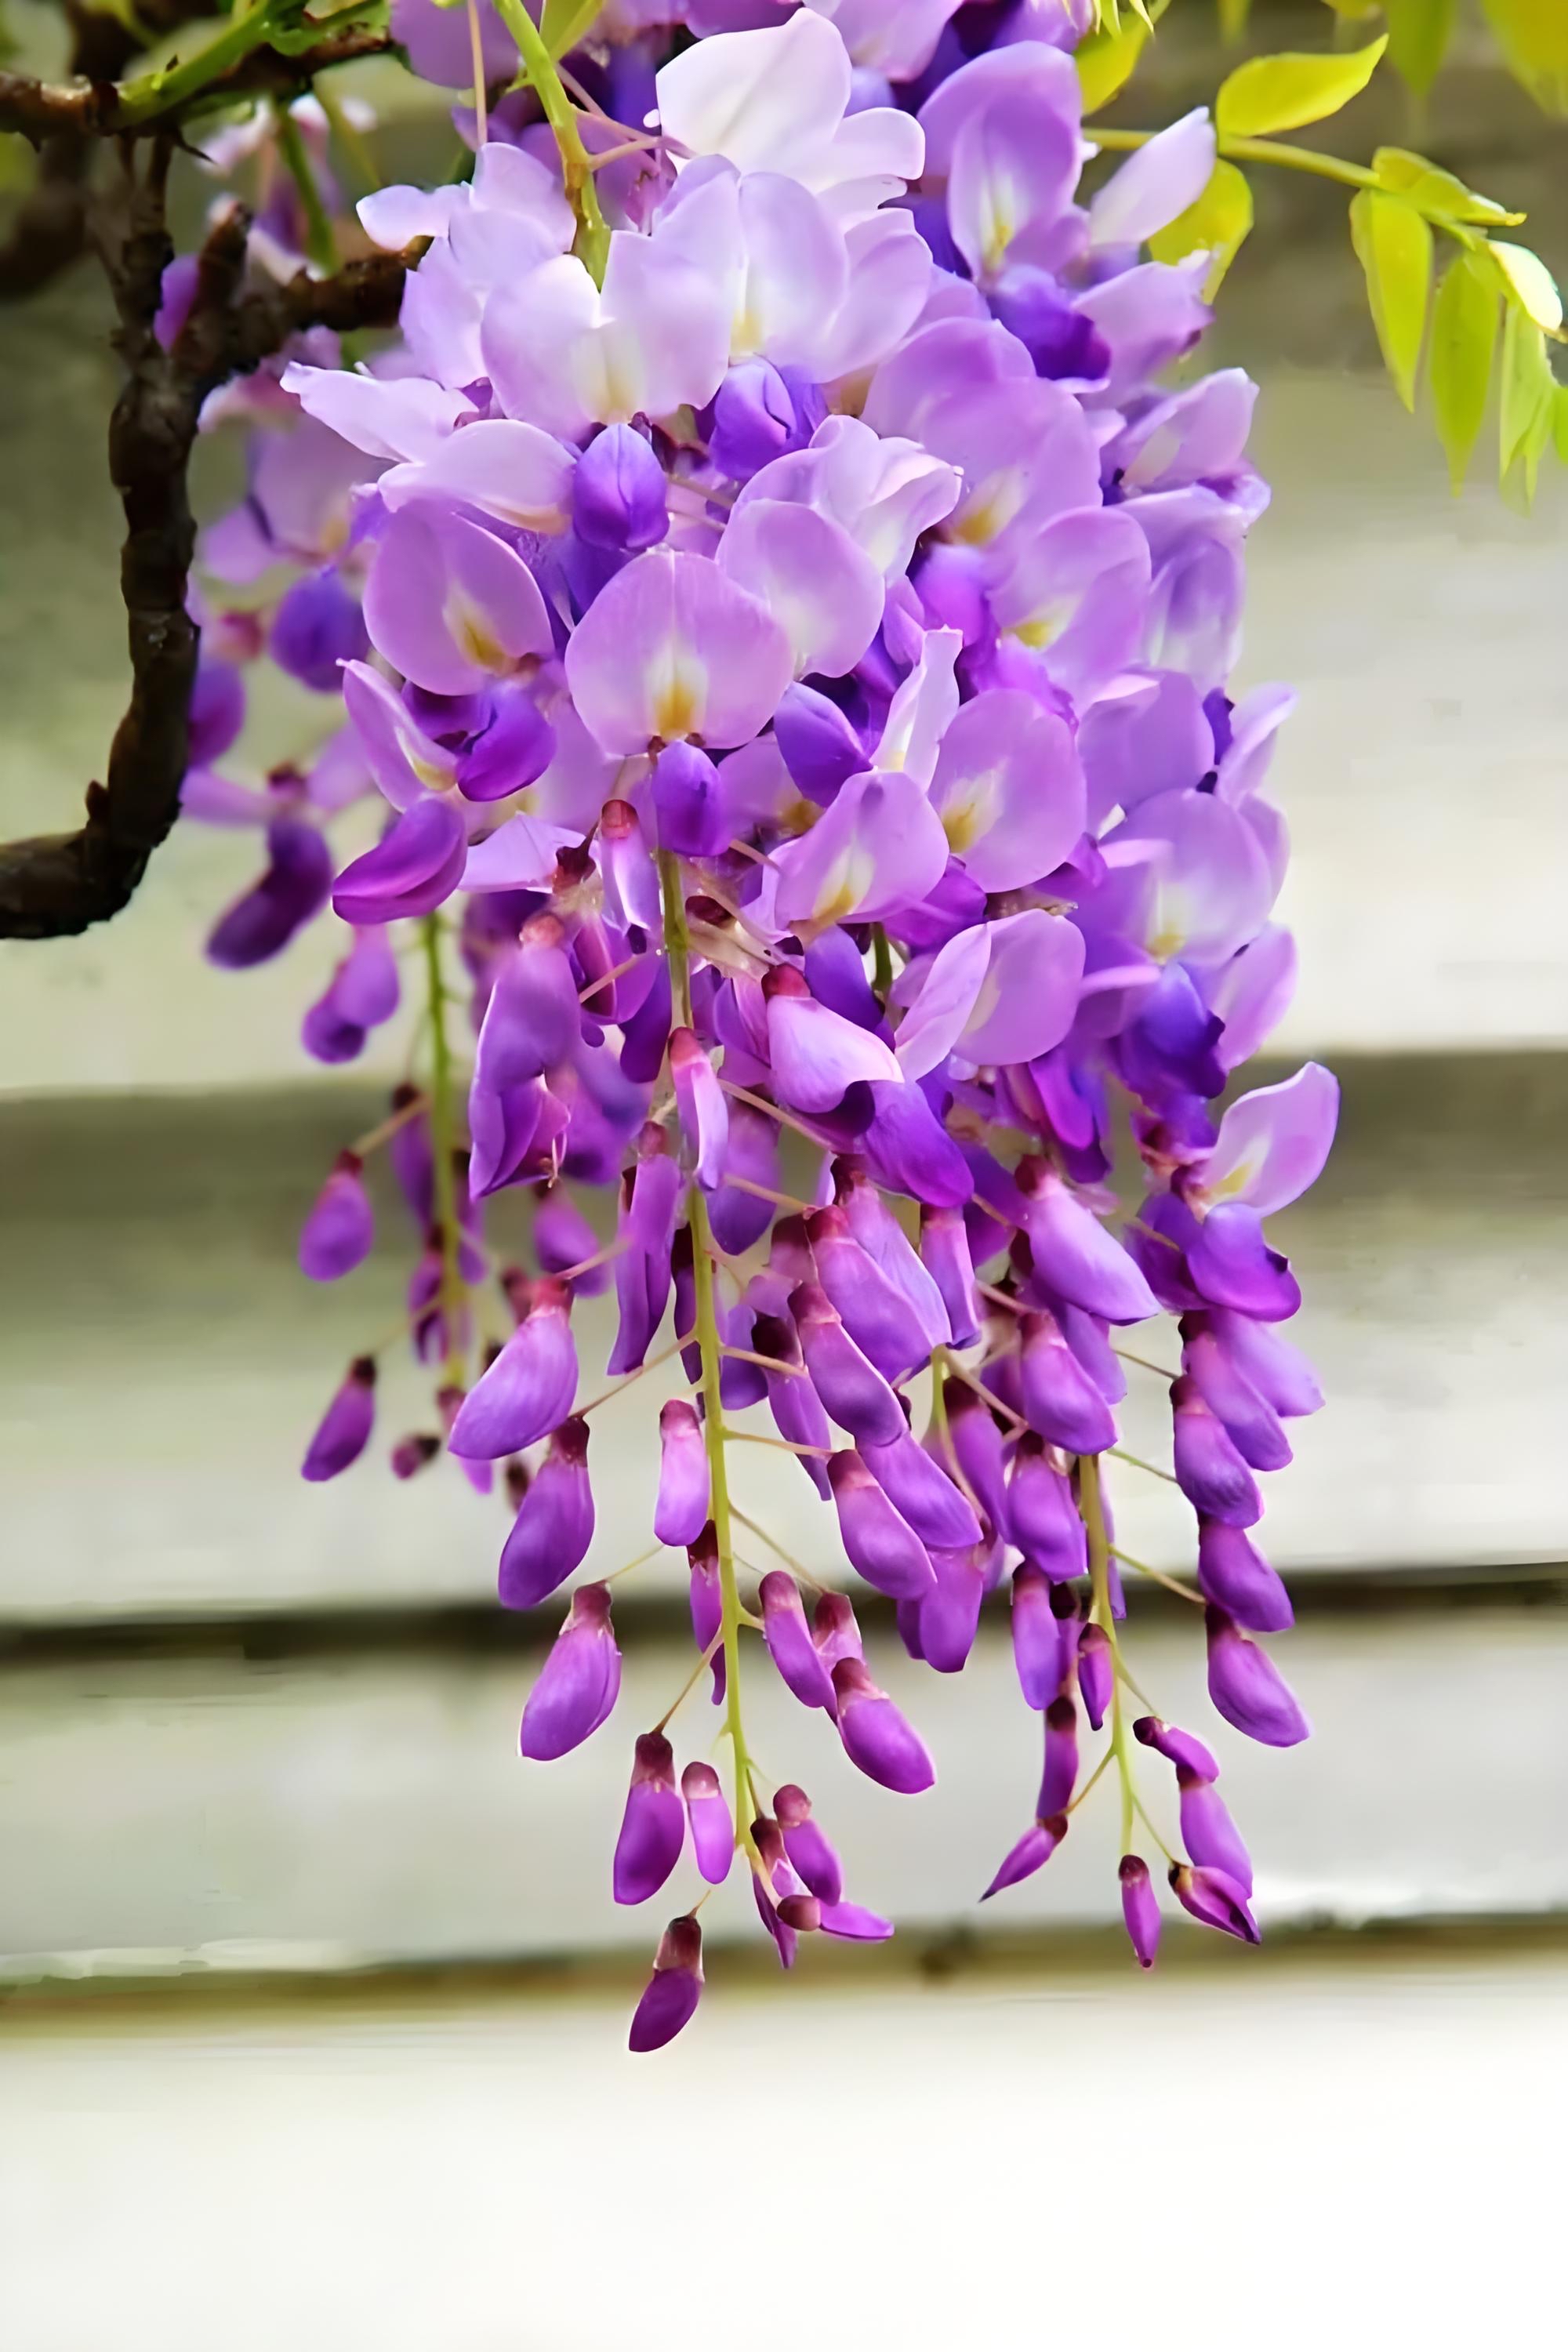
(757, 416)
(1075, 1255)
(337, 1234)
(876, 1314)
(834, 1629)
(1248, 1687)
(1036, 1845)
(555, 1523)
(950, 1612)
(1235, 1575)
(1042, 1518)
(689, 802)
(852, 1390)
(712, 1830)
(290, 892)
(618, 498)
(1059, 1777)
(1209, 1471)
(817, 745)
(1096, 1674)
(579, 1681)
(1140, 1908)
(978, 1449)
(408, 1151)
(670, 1998)
(922, 1492)
(793, 1401)
(317, 626)
(1177, 1746)
(1060, 1399)
(811, 1855)
(1036, 1637)
(789, 1643)
(740, 1218)
(1251, 1423)
(1209, 1834)
(855, 1924)
(877, 1738)
(653, 1827)
(510, 752)
(343, 1431)
(885, 1241)
(680, 1512)
(1215, 1901)
(529, 1390)
(699, 1101)
(944, 1248)
(625, 863)
(411, 1454)
(878, 1541)
(707, 1602)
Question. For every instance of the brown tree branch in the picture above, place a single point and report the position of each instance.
(91, 109)
(58, 885)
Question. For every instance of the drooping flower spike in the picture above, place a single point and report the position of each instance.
(785, 775)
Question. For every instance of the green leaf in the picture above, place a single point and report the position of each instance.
(1216, 222)
(1419, 33)
(1233, 17)
(1560, 421)
(1527, 401)
(1529, 284)
(1464, 339)
(1393, 246)
(1533, 37)
(1105, 61)
(564, 22)
(1435, 190)
(1270, 94)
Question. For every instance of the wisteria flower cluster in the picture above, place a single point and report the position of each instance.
(782, 606)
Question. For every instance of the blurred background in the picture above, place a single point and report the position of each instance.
(312, 2001)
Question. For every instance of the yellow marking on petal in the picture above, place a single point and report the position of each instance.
(677, 690)
(1166, 944)
(469, 629)
(843, 887)
(800, 816)
(1045, 626)
(983, 516)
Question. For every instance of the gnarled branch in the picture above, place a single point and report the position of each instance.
(56, 884)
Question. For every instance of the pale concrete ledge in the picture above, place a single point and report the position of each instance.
(161, 1361)
(334, 1813)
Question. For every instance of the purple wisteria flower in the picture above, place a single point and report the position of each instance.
(782, 613)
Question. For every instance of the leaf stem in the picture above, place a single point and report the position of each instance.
(1093, 1510)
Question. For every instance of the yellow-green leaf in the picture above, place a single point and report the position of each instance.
(1529, 284)
(564, 22)
(1233, 17)
(1533, 37)
(1106, 60)
(1216, 222)
(1419, 32)
(1560, 421)
(1459, 366)
(1527, 396)
(1437, 191)
(1280, 93)
(1393, 246)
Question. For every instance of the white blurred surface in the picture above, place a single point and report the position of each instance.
(1366, 2157)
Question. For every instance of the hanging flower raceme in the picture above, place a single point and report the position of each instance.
(782, 625)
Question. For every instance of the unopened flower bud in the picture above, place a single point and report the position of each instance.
(789, 1643)
(1096, 1674)
(1215, 1900)
(680, 1511)
(877, 1736)
(344, 1429)
(1248, 1687)
(579, 1681)
(1140, 1908)
(712, 1830)
(673, 1991)
(337, 1234)
(1059, 1775)
(810, 1853)
(1036, 1845)
(653, 1827)
(554, 1524)
(1209, 1834)
(618, 498)
(1180, 1747)
(1234, 1574)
